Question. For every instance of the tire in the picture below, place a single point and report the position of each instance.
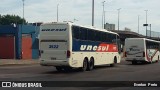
(150, 62)
(58, 68)
(134, 62)
(85, 65)
(91, 65)
(67, 69)
(111, 65)
(115, 61)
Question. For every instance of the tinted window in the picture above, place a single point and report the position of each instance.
(91, 35)
(83, 33)
(103, 37)
(75, 32)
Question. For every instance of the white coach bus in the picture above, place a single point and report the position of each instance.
(65, 45)
(142, 50)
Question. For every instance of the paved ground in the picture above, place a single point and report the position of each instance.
(17, 62)
(121, 72)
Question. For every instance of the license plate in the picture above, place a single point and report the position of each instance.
(53, 58)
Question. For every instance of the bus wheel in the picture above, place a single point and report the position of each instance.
(115, 61)
(91, 65)
(67, 69)
(158, 59)
(85, 64)
(150, 62)
(134, 62)
(58, 68)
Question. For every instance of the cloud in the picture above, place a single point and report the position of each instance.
(46, 11)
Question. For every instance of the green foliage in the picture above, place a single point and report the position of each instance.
(10, 19)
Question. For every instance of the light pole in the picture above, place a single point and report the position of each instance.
(138, 24)
(118, 17)
(23, 11)
(57, 12)
(92, 12)
(146, 21)
(103, 15)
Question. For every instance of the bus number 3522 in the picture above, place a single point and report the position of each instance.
(53, 46)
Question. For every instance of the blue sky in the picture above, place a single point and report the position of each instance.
(45, 11)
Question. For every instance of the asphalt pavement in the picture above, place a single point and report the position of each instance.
(18, 61)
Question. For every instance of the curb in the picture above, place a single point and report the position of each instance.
(18, 62)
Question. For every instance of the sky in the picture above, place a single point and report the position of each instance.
(81, 10)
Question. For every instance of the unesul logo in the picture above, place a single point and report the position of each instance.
(100, 48)
(54, 29)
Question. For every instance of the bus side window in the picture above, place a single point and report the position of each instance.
(103, 37)
(113, 38)
(98, 36)
(90, 35)
(83, 33)
(108, 40)
(75, 32)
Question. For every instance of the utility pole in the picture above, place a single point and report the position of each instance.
(118, 17)
(57, 12)
(92, 12)
(138, 24)
(146, 21)
(23, 11)
(103, 15)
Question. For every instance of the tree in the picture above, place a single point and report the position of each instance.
(11, 19)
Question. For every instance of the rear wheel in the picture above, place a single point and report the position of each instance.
(150, 62)
(134, 62)
(85, 64)
(158, 59)
(115, 61)
(58, 68)
(91, 65)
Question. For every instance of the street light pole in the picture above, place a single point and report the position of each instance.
(92, 12)
(146, 21)
(103, 15)
(23, 11)
(138, 24)
(118, 17)
(57, 12)
(104, 18)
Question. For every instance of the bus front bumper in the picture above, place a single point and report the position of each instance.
(135, 59)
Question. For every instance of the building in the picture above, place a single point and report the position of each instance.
(109, 26)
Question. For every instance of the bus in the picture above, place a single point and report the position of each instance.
(66, 45)
(142, 50)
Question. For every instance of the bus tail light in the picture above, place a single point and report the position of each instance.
(68, 54)
(143, 54)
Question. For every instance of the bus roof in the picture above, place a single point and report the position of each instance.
(71, 23)
(143, 39)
